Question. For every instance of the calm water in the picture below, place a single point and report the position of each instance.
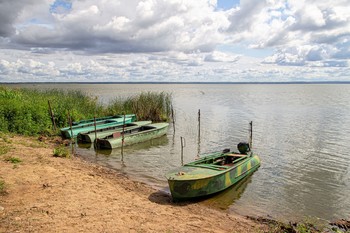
(301, 132)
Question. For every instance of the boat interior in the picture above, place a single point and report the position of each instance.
(111, 127)
(219, 162)
(131, 131)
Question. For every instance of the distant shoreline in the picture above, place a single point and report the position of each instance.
(235, 83)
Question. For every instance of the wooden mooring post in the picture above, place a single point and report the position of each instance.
(199, 133)
(95, 141)
(71, 131)
(70, 125)
(251, 135)
(183, 144)
(122, 148)
(173, 117)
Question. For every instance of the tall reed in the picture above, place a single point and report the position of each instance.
(25, 111)
(147, 106)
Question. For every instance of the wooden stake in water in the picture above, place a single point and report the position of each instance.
(173, 117)
(199, 133)
(251, 136)
(183, 144)
(95, 141)
(70, 125)
(52, 116)
(122, 148)
(71, 131)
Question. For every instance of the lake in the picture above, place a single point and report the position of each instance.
(300, 131)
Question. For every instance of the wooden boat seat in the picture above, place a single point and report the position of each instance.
(210, 166)
(236, 155)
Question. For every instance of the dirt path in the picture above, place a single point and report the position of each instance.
(48, 194)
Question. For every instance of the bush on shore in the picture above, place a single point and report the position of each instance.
(26, 111)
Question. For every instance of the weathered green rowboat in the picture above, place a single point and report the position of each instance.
(91, 121)
(88, 137)
(89, 125)
(133, 136)
(210, 174)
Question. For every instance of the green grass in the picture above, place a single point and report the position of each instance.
(14, 160)
(61, 151)
(4, 144)
(26, 111)
(4, 148)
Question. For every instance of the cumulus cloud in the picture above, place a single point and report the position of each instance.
(174, 40)
(300, 31)
(311, 55)
(143, 67)
(15, 14)
(220, 57)
(128, 26)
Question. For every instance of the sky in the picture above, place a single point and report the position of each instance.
(174, 40)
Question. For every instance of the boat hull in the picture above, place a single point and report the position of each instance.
(89, 137)
(156, 130)
(86, 126)
(91, 121)
(198, 186)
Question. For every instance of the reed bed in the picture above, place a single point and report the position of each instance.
(147, 106)
(26, 111)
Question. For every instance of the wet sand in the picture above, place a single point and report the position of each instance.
(49, 194)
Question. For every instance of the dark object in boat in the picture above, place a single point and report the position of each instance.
(243, 147)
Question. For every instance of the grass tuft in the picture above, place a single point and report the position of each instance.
(4, 149)
(14, 160)
(61, 151)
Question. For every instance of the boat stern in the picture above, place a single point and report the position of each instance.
(66, 134)
(103, 144)
(84, 137)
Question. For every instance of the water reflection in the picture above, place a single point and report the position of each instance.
(84, 145)
(161, 141)
(226, 198)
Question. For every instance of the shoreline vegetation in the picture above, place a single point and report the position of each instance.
(43, 186)
(26, 111)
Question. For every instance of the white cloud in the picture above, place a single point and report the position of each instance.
(128, 26)
(294, 27)
(220, 57)
(65, 66)
(173, 40)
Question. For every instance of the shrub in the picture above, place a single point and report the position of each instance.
(61, 151)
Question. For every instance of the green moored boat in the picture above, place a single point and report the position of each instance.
(89, 137)
(89, 125)
(98, 119)
(133, 136)
(211, 174)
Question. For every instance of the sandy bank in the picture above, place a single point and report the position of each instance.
(48, 194)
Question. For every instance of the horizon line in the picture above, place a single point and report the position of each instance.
(288, 82)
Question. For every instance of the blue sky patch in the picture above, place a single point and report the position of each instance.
(61, 6)
(227, 4)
